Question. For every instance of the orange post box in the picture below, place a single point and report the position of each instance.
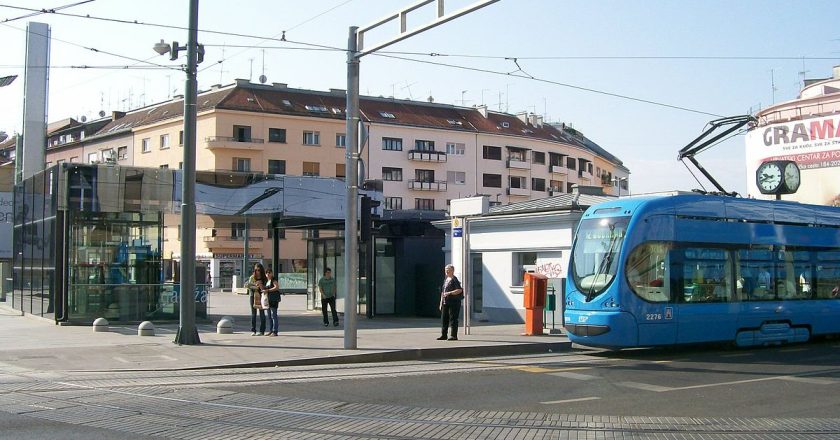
(536, 286)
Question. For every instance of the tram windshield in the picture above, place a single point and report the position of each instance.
(595, 255)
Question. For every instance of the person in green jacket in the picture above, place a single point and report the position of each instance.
(326, 285)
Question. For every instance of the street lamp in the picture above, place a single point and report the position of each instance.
(187, 331)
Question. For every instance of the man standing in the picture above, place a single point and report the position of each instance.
(326, 285)
(451, 295)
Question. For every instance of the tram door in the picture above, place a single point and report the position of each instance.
(705, 303)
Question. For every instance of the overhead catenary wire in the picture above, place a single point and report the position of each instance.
(43, 11)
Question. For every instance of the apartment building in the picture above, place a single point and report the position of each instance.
(424, 153)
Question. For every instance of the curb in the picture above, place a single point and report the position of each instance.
(415, 354)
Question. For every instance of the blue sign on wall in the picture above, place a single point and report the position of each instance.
(458, 232)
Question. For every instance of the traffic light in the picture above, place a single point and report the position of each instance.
(366, 218)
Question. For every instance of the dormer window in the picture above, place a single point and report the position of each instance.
(387, 115)
(337, 111)
(505, 124)
(316, 108)
(287, 103)
(454, 122)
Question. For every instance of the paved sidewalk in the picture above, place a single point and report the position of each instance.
(29, 343)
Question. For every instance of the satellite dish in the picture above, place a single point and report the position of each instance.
(263, 79)
(83, 119)
(101, 113)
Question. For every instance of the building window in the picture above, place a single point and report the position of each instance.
(392, 174)
(556, 185)
(339, 171)
(122, 153)
(589, 167)
(180, 165)
(242, 133)
(518, 182)
(424, 204)
(311, 169)
(569, 186)
(517, 154)
(93, 157)
(388, 115)
(538, 157)
(492, 153)
(422, 145)
(146, 145)
(277, 135)
(523, 262)
(597, 171)
(537, 184)
(555, 160)
(241, 164)
(237, 230)
(276, 166)
(455, 149)
(74, 159)
(393, 203)
(456, 177)
(571, 163)
(492, 180)
(164, 141)
(164, 166)
(311, 138)
(341, 140)
(181, 138)
(424, 175)
(392, 144)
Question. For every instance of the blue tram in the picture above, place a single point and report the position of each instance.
(691, 268)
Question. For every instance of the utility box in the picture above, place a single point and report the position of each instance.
(536, 287)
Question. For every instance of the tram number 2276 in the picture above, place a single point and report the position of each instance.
(653, 316)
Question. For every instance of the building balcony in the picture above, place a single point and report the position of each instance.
(238, 143)
(420, 185)
(524, 192)
(584, 175)
(559, 169)
(518, 164)
(220, 239)
(427, 155)
(555, 191)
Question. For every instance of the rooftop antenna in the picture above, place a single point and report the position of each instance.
(803, 72)
(222, 64)
(500, 100)
(507, 98)
(773, 86)
(463, 101)
(263, 78)
(408, 87)
(482, 95)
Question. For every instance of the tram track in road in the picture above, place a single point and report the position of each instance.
(188, 413)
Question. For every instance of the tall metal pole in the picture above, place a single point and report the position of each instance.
(187, 331)
(351, 242)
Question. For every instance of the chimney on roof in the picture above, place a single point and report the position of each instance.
(280, 85)
(482, 109)
(116, 115)
(341, 92)
(430, 98)
(522, 116)
(535, 120)
(242, 82)
(835, 72)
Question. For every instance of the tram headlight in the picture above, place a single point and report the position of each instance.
(610, 304)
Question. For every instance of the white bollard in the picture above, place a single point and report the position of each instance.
(229, 318)
(224, 327)
(100, 325)
(146, 328)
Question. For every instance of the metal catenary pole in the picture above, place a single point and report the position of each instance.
(355, 51)
(187, 331)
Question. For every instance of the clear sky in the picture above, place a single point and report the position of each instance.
(710, 57)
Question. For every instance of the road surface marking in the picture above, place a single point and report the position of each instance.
(813, 380)
(576, 376)
(645, 386)
(581, 399)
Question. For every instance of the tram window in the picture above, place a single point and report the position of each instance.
(828, 275)
(793, 274)
(756, 273)
(647, 271)
(706, 275)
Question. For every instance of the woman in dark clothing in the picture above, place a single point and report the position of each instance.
(451, 295)
(255, 285)
(272, 287)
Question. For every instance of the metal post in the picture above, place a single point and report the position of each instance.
(351, 240)
(245, 249)
(187, 331)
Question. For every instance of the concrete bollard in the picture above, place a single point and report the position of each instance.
(100, 325)
(224, 327)
(146, 328)
(229, 318)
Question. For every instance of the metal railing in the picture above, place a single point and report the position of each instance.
(422, 185)
(235, 139)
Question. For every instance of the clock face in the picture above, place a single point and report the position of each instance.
(792, 178)
(769, 177)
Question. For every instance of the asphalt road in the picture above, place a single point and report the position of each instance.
(788, 381)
